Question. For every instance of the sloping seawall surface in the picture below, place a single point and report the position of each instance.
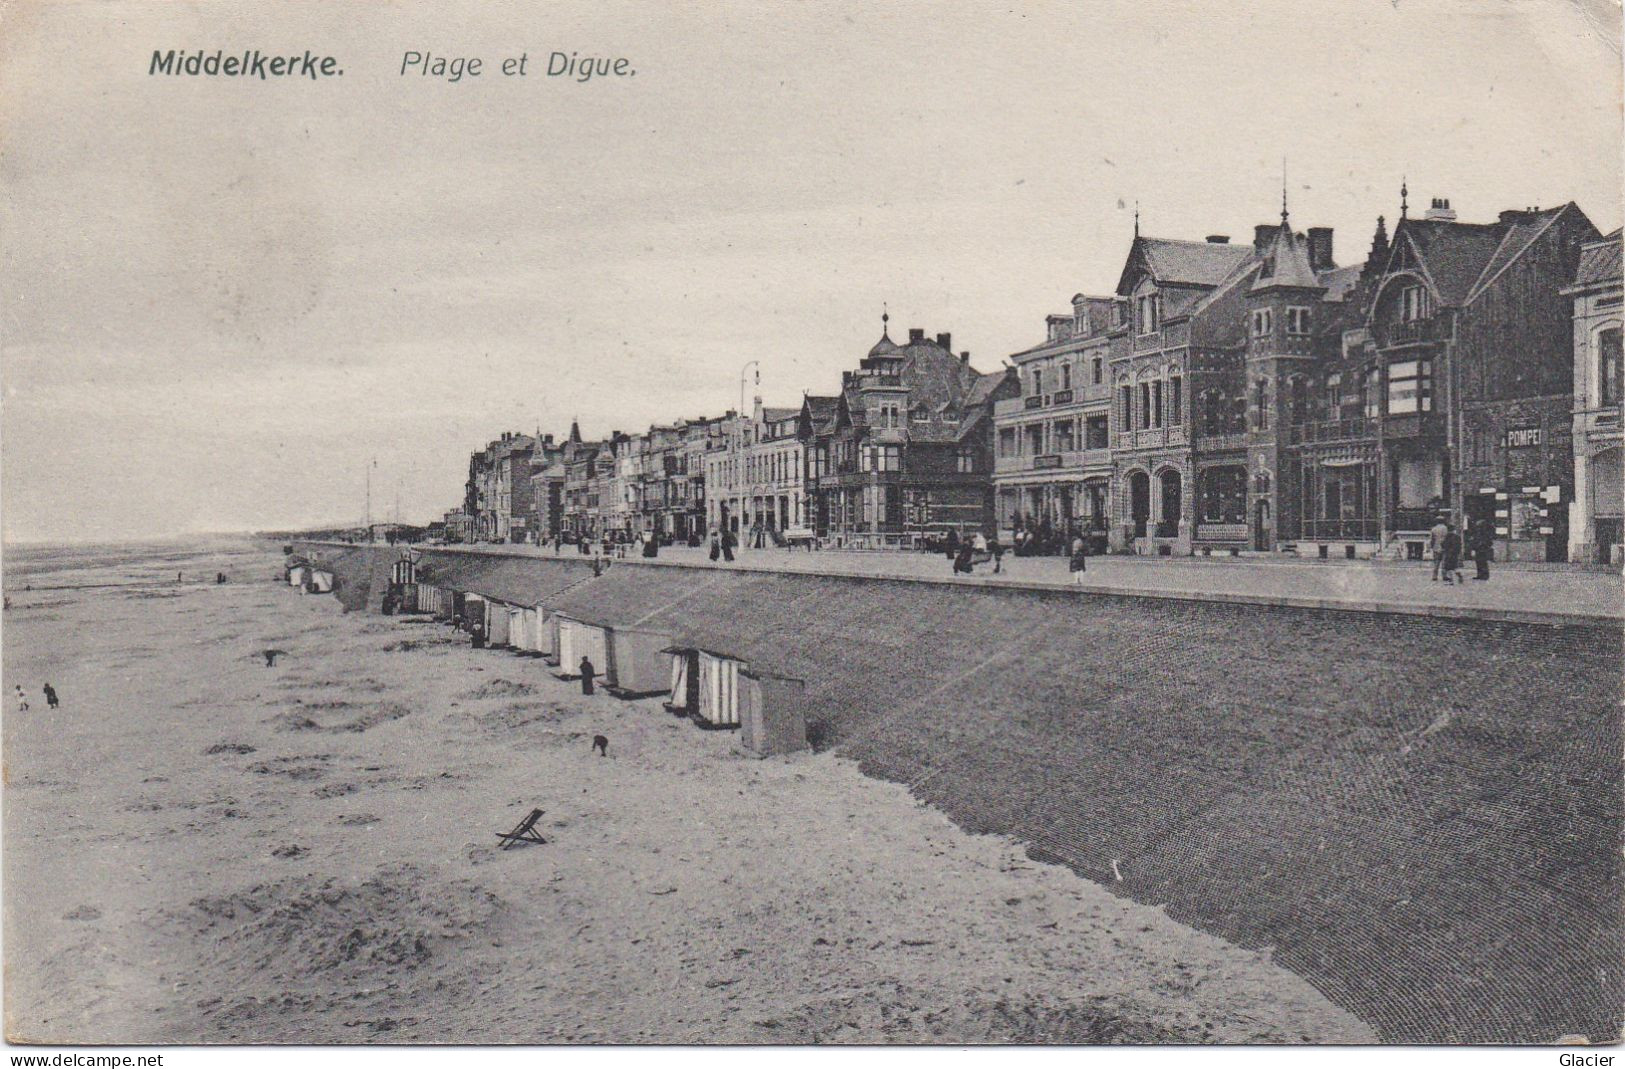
(1420, 816)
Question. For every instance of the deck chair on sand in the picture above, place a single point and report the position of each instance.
(525, 832)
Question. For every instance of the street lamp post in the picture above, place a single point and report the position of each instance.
(739, 440)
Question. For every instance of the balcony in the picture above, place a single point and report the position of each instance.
(1047, 460)
(1061, 397)
(1035, 401)
(1331, 430)
(1414, 332)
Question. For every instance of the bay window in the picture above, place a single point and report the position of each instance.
(1410, 387)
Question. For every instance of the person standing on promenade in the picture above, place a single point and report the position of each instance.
(1450, 554)
(1481, 541)
(995, 549)
(716, 546)
(50, 696)
(1078, 557)
(1436, 543)
(587, 672)
(728, 544)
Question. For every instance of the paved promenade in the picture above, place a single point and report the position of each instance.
(1513, 593)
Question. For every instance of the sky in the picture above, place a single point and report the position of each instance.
(221, 300)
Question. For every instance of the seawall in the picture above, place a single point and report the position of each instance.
(1420, 815)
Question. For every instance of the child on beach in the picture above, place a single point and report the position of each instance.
(22, 700)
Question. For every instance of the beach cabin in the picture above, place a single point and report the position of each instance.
(517, 638)
(704, 686)
(496, 624)
(638, 666)
(577, 639)
(297, 575)
(772, 717)
(321, 580)
(535, 632)
(470, 612)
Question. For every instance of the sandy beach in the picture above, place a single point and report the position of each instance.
(199, 848)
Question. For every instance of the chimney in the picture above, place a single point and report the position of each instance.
(1320, 248)
(945, 341)
(1440, 211)
(1218, 239)
(1263, 233)
(964, 358)
(916, 335)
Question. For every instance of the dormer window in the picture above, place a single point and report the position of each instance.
(1263, 322)
(1297, 321)
(1080, 325)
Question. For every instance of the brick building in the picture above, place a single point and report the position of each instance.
(1468, 346)
(1174, 355)
(909, 449)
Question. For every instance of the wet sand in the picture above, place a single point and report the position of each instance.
(199, 848)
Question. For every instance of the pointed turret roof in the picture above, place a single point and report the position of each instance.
(575, 432)
(1286, 263)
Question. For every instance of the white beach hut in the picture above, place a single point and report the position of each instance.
(577, 639)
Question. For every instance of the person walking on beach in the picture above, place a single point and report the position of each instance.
(1436, 543)
(50, 696)
(22, 699)
(1481, 541)
(1078, 559)
(587, 671)
(1451, 554)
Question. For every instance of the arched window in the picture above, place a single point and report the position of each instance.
(1608, 370)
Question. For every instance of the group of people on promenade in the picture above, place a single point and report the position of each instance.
(1447, 546)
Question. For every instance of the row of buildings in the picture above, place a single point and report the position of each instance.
(1229, 395)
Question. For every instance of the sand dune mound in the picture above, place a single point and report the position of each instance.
(304, 932)
(498, 688)
(338, 716)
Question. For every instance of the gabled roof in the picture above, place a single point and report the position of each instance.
(1599, 261)
(1182, 263)
(1340, 281)
(983, 388)
(1462, 260)
(777, 415)
(1521, 233)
